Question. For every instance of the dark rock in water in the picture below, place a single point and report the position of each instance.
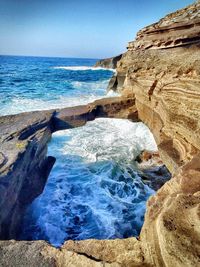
(156, 177)
(153, 171)
(108, 63)
(149, 158)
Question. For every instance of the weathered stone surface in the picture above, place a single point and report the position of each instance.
(165, 84)
(108, 63)
(176, 29)
(90, 253)
(171, 232)
(24, 165)
(114, 107)
(164, 87)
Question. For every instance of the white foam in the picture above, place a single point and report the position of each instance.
(92, 86)
(82, 68)
(123, 140)
(93, 190)
(95, 90)
(112, 93)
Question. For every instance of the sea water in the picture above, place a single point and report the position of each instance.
(36, 83)
(94, 189)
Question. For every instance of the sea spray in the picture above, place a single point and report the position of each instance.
(94, 190)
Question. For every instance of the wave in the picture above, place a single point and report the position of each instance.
(18, 105)
(94, 190)
(86, 92)
(82, 68)
(92, 86)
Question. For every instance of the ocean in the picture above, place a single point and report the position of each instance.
(94, 189)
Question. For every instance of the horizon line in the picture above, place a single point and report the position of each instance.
(9, 55)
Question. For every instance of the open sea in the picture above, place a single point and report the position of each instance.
(94, 189)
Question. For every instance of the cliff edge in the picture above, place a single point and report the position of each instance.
(108, 63)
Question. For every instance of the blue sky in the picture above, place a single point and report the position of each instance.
(76, 28)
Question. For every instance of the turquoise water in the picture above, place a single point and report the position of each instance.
(94, 189)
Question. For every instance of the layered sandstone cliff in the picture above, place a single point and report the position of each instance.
(160, 75)
(165, 84)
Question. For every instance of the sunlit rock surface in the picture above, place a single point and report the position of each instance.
(164, 86)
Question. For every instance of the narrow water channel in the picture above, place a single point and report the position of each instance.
(94, 189)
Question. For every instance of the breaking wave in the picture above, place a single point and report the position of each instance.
(94, 190)
(83, 68)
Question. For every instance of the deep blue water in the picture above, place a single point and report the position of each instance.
(32, 83)
(94, 189)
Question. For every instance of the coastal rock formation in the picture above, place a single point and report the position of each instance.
(161, 69)
(108, 63)
(159, 78)
(24, 166)
(153, 171)
(165, 84)
(176, 29)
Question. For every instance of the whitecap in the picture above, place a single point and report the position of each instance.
(82, 68)
(88, 92)
(91, 86)
(20, 104)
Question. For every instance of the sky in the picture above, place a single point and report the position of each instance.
(76, 28)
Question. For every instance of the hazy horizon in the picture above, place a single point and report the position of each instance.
(76, 29)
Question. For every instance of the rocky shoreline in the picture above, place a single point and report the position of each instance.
(158, 78)
(24, 138)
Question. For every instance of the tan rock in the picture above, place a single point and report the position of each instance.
(164, 90)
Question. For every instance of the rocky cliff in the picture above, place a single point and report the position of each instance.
(108, 63)
(165, 83)
(161, 70)
(160, 76)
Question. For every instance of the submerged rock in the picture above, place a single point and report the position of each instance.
(153, 171)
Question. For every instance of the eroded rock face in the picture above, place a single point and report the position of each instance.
(176, 29)
(152, 169)
(108, 63)
(165, 83)
(171, 233)
(24, 165)
(164, 87)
